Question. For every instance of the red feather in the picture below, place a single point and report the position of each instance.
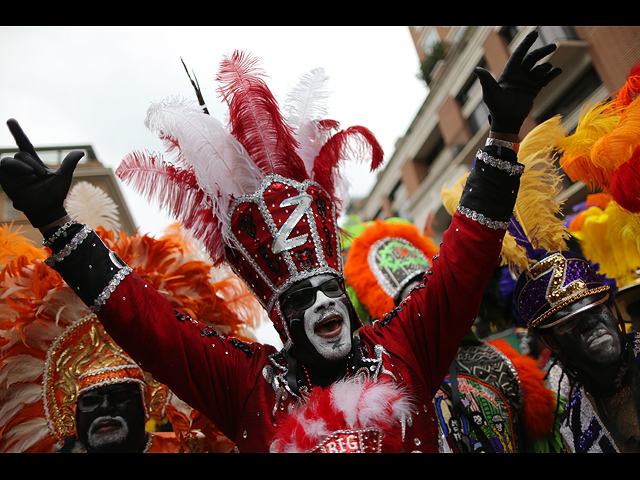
(354, 143)
(256, 120)
(538, 410)
(175, 190)
(630, 90)
(625, 187)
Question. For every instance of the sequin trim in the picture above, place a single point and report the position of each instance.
(383, 278)
(110, 288)
(481, 219)
(70, 247)
(510, 168)
(60, 231)
(559, 306)
(257, 198)
(514, 372)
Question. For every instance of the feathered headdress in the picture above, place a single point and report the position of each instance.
(609, 236)
(383, 259)
(262, 191)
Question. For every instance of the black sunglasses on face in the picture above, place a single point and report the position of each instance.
(90, 401)
(305, 297)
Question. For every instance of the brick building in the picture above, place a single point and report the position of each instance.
(451, 125)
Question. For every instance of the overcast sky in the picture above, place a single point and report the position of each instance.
(93, 85)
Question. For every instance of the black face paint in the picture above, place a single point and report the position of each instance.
(591, 339)
(108, 408)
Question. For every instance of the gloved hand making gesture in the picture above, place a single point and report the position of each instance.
(510, 98)
(34, 188)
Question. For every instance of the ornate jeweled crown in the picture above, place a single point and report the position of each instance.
(283, 233)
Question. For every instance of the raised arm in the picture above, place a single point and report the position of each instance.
(442, 309)
(178, 352)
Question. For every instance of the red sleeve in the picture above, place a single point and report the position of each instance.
(425, 331)
(213, 373)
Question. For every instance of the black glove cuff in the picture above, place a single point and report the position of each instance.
(492, 186)
(506, 125)
(42, 219)
(88, 266)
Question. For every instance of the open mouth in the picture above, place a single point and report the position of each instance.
(330, 326)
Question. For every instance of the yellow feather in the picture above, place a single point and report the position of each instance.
(595, 122)
(537, 209)
(451, 196)
(610, 236)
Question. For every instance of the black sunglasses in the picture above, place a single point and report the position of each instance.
(90, 401)
(305, 297)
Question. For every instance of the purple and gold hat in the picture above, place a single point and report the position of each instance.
(557, 280)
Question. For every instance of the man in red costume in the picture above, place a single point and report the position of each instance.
(326, 390)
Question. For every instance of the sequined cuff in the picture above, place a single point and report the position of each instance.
(70, 247)
(490, 191)
(47, 242)
(481, 219)
(110, 288)
(88, 266)
(510, 168)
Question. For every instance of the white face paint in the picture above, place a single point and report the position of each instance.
(327, 325)
(107, 430)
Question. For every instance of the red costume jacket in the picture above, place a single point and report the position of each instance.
(243, 388)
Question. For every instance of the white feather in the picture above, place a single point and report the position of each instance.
(28, 433)
(305, 105)
(368, 403)
(15, 398)
(92, 206)
(221, 164)
(20, 368)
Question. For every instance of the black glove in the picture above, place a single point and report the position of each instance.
(510, 99)
(35, 189)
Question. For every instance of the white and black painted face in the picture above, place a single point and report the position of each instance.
(318, 309)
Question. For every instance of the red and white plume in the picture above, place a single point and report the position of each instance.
(214, 163)
(348, 417)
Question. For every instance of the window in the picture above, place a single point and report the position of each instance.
(478, 118)
(429, 39)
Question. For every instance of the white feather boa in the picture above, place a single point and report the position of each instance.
(347, 416)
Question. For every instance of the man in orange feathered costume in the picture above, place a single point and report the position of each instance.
(55, 355)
